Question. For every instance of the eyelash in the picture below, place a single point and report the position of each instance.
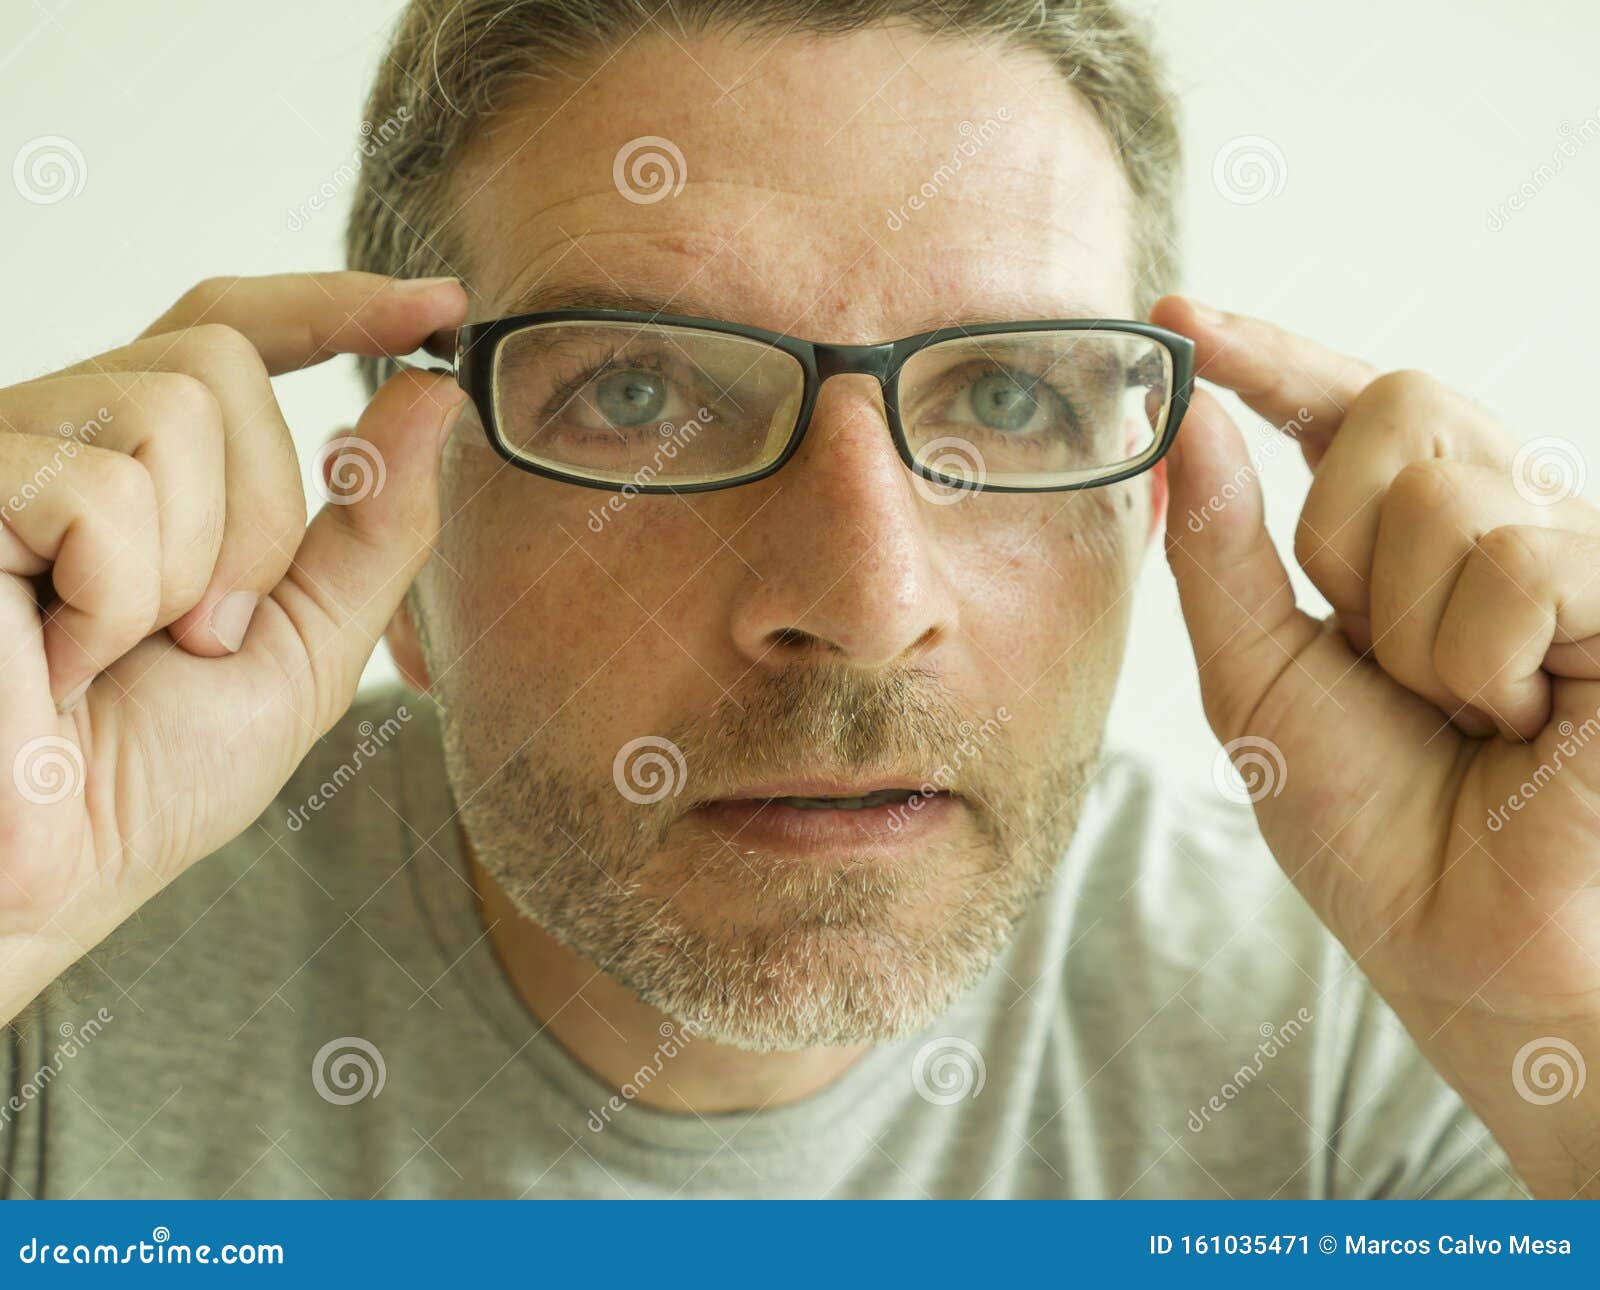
(567, 387)
(971, 374)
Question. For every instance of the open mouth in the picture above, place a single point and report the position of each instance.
(816, 822)
(866, 801)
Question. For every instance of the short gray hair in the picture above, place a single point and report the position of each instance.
(451, 61)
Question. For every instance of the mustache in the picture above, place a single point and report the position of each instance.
(824, 720)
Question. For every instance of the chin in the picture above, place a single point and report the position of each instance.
(766, 955)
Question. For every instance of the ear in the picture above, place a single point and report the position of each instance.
(406, 647)
(1158, 501)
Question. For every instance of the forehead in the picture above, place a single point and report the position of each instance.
(849, 188)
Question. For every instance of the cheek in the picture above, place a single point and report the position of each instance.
(563, 599)
(1046, 587)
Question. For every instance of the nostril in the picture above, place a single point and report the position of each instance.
(792, 638)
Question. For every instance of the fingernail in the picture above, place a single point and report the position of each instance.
(74, 699)
(230, 618)
(1205, 313)
(421, 284)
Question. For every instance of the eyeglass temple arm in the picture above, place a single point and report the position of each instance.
(440, 345)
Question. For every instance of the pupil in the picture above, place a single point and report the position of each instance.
(629, 398)
(1001, 403)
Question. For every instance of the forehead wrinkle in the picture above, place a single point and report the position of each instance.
(594, 292)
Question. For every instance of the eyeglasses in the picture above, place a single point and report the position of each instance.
(658, 404)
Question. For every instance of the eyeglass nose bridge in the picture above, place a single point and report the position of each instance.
(840, 360)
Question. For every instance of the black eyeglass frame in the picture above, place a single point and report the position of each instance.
(478, 344)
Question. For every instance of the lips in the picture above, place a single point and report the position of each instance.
(820, 819)
(864, 801)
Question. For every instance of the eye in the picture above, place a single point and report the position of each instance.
(629, 397)
(1003, 400)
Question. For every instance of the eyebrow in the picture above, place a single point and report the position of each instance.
(607, 296)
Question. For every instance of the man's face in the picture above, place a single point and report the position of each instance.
(836, 629)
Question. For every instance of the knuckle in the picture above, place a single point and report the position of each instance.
(1514, 551)
(1421, 489)
(1458, 665)
(218, 346)
(124, 491)
(199, 300)
(176, 398)
(281, 517)
(1401, 390)
(1317, 552)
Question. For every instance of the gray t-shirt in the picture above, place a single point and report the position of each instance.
(1170, 1021)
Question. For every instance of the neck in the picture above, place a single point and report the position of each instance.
(620, 1038)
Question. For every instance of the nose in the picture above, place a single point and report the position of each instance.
(844, 563)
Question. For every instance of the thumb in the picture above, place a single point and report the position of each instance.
(380, 488)
(1236, 596)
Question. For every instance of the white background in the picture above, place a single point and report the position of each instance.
(1400, 128)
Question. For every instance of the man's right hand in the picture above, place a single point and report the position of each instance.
(173, 636)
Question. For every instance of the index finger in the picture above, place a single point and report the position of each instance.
(295, 320)
(1291, 381)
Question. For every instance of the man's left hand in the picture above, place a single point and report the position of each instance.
(1424, 765)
